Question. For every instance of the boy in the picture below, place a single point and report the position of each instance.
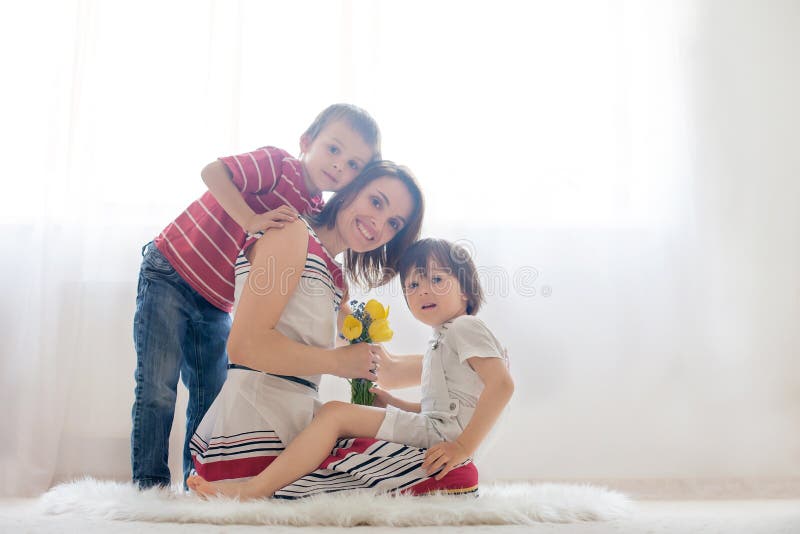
(186, 282)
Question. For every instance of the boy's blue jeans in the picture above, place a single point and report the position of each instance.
(176, 333)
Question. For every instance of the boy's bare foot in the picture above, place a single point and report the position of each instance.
(241, 490)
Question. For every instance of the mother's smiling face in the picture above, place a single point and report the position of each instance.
(376, 214)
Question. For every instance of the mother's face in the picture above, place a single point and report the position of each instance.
(376, 214)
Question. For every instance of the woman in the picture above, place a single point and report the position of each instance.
(288, 290)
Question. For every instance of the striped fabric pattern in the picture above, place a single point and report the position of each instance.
(355, 464)
(234, 456)
(203, 242)
(320, 267)
(381, 466)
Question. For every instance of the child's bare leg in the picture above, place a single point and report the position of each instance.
(303, 455)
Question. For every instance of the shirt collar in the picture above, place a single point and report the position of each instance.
(438, 333)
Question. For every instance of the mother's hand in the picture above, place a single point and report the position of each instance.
(360, 360)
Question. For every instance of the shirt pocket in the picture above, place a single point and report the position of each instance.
(447, 407)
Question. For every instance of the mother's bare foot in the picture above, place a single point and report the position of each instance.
(241, 490)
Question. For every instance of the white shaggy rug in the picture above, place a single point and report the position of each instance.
(516, 503)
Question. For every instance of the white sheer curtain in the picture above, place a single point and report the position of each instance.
(624, 172)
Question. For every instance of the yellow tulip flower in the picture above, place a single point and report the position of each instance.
(379, 331)
(376, 310)
(352, 328)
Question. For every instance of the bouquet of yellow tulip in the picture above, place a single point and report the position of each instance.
(367, 323)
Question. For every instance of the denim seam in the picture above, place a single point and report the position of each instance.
(137, 427)
(198, 367)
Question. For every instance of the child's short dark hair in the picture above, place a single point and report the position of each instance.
(358, 119)
(449, 256)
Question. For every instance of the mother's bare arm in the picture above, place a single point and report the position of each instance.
(277, 261)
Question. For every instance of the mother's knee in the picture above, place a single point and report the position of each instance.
(331, 410)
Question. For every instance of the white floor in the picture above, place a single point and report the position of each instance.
(653, 517)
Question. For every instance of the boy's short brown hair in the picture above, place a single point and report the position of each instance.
(448, 256)
(358, 119)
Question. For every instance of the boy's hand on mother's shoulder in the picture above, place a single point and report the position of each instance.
(261, 222)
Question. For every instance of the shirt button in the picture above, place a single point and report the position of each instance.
(452, 405)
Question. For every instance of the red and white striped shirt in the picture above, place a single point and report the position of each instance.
(203, 242)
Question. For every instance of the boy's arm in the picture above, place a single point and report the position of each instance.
(383, 398)
(217, 178)
(497, 390)
(397, 372)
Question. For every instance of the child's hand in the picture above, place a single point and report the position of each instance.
(448, 454)
(382, 397)
(261, 222)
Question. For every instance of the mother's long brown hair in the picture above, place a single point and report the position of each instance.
(376, 267)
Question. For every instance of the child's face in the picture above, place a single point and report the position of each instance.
(434, 297)
(334, 157)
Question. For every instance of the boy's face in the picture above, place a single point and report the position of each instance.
(434, 297)
(334, 157)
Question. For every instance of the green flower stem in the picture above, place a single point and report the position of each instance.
(359, 392)
(359, 387)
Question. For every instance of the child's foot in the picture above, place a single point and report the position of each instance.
(241, 490)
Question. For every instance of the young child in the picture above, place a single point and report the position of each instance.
(464, 376)
(186, 282)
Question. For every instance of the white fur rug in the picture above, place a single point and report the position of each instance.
(517, 503)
